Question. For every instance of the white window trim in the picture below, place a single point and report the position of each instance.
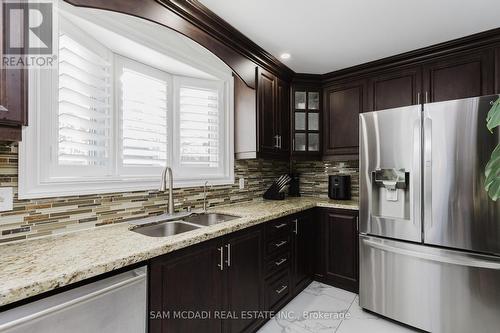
(34, 152)
(32, 185)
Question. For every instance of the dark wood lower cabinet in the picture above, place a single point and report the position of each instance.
(337, 259)
(228, 280)
(243, 287)
(303, 248)
(220, 278)
(186, 282)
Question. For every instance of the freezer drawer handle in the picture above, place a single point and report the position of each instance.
(72, 302)
(433, 257)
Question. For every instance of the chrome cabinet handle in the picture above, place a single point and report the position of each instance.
(282, 289)
(281, 262)
(426, 97)
(280, 244)
(418, 98)
(279, 226)
(276, 141)
(228, 261)
(296, 230)
(221, 264)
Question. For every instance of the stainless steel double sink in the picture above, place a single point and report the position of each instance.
(192, 222)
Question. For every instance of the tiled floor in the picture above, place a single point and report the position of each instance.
(319, 308)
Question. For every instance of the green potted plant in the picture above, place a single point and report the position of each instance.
(492, 170)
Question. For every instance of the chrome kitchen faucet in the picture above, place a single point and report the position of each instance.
(167, 173)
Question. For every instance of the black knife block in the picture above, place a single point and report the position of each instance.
(273, 193)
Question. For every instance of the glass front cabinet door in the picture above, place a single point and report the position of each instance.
(306, 121)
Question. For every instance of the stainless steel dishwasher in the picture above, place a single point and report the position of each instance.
(114, 304)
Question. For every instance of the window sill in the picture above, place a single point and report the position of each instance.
(100, 186)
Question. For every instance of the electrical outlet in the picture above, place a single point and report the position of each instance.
(6, 199)
(242, 183)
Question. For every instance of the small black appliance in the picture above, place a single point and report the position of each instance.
(339, 187)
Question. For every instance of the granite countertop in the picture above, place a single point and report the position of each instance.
(31, 267)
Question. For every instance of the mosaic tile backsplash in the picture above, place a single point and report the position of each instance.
(314, 176)
(39, 217)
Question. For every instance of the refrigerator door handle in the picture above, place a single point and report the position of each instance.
(454, 260)
(417, 173)
(427, 170)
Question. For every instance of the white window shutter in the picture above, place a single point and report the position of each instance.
(143, 117)
(84, 105)
(199, 123)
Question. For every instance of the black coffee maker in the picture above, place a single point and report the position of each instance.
(339, 187)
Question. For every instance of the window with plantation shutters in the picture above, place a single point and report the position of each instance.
(143, 109)
(84, 105)
(113, 113)
(199, 126)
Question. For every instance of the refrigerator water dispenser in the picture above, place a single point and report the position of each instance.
(391, 193)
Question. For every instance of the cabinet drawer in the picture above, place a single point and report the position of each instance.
(278, 263)
(277, 290)
(278, 228)
(278, 244)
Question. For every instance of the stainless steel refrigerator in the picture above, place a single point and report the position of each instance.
(429, 235)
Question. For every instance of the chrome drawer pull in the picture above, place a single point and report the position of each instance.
(228, 261)
(279, 263)
(221, 265)
(280, 244)
(282, 289)
(280, 226)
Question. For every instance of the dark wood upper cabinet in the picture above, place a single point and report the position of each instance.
(266, 112)
(497, 70)
(459, 76)
(13, 97)
(283, 117)
(338, 265)
(395, 89)
(307, 114)
(273, 115)
(343, 104)
(454, 76)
